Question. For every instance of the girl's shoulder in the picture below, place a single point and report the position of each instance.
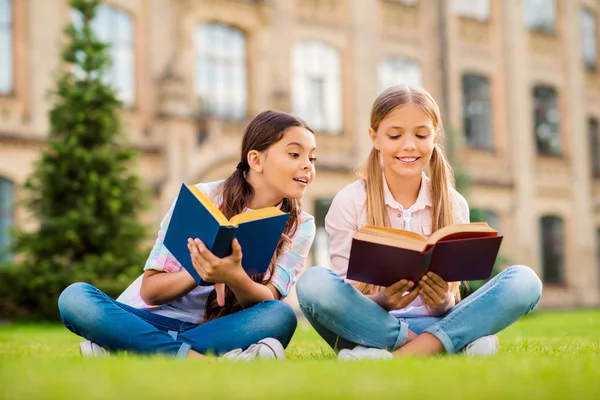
(306, 218)
(306, 226)
(461, 207)
(213, 190)
(355, 192)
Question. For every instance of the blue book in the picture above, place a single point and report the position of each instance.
(196, 217)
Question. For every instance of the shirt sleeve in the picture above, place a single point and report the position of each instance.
(160, 258)
(341, 223)
(291, 260)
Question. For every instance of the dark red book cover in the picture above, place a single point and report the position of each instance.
(453, 260)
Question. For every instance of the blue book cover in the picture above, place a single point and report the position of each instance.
(195, 216)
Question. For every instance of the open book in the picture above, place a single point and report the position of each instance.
(383, 256)
(196, 216)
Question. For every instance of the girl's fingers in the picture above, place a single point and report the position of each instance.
(432, 294)
(197, 258)
(437, 279)
(440, 290)
(428, 300)
(400, 287)
(236, 255)
(205, 252)
(220, 289)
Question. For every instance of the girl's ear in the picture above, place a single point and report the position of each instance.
(255, 160)
(373, 136)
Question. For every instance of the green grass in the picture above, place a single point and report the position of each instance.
(546, 355)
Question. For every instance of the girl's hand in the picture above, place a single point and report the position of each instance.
(435, 292)
(220, 289)
(394, 298)
(212, 268)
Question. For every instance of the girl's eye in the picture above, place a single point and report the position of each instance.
(312, 159)
(394, 137)
(422, 136)
(294, 155)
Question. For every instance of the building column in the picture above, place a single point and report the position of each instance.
(519, 123)
(361, 63)
(582, 274)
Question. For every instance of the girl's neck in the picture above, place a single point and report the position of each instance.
(404, 189)
(263, 195)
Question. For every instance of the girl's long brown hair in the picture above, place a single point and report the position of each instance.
(264, 130)
(440, 171)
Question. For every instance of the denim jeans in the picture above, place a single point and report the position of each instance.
(90, 313)
(344, 317)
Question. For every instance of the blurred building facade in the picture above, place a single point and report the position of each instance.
(518, 82)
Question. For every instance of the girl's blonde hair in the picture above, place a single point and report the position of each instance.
(440, 171)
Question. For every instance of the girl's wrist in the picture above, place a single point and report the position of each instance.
(236, 278)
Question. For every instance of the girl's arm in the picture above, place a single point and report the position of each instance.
(228, 270)
(159, 287)
(249, 293)
(341, 223)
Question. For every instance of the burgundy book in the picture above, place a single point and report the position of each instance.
(383, 256)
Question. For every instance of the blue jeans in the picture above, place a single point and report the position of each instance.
(344, 317)
(90, 313)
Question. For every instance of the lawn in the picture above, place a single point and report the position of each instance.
(550, 355)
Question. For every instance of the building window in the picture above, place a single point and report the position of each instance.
(6, 47)
(547, 121)
(316, 86)
(589, 39)
(540, 15)
(6, 217)
(593, 133)
(114, 27)
(396, 70)
(321, 256)
(221, 70)
(477, 111)
(475, 9)
(553, 250)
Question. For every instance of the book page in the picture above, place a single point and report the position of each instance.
(392, 237)
(255, 214)
(209, 205)
(391, 233)
(393, 242)
(463, 231)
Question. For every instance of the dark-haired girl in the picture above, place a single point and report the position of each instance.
(164, 311)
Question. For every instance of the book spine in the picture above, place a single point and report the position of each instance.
(222, 245)
(426, 260)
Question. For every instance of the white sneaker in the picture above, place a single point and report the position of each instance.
(483, 347)
(269, 348)
(364, 353)
(90, 349)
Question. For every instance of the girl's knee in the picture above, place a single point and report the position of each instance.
(283, 321)
(73, 295)
(313, 283)
(75, 301)
(525, 286)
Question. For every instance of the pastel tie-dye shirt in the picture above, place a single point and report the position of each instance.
(192, 306)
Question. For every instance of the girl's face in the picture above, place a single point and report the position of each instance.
(406, 138)
(288, 166)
